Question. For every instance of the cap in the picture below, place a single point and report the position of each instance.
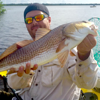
(36, 6)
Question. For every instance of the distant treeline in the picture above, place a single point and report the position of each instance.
(68, 4)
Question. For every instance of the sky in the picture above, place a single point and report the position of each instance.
(50, 1)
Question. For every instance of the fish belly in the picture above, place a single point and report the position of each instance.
(41, 59)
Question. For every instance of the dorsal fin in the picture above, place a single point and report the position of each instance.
(41, 32)
(8, 51)
(61, 46)
(14, 47)
(24, 43)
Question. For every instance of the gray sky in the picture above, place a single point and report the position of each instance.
(51, 1)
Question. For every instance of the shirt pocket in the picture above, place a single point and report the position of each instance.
(52, 73)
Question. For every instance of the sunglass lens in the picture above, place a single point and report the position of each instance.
(39, 17)
(28, 20)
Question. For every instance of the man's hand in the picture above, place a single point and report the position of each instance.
(85, 47)
(21, 69)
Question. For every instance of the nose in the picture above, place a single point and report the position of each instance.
(34, 22)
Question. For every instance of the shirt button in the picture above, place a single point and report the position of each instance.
(68, 67)
(39, 70)
(76, 60)
(80, 65)
(36, 84)
(80, 76)
(31, 74)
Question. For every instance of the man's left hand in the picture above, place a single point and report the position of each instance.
(84, 48)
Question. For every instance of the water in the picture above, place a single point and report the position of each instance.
(96, 49)
(13, 29)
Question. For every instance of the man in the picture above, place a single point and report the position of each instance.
(54, 82)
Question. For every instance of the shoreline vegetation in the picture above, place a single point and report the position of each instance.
(2, 10)
(48, 4)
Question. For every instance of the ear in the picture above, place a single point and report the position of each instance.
(49, 18)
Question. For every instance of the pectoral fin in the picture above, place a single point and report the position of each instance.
(62, 57)
(41, 32)
(61, 46)
(72, 54)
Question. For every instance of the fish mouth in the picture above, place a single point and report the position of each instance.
(94, 28)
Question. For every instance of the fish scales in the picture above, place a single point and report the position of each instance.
(34, 49)
(56, 44)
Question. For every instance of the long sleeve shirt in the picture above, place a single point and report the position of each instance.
(51, 82)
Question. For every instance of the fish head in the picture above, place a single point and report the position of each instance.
(79, 30)
(74, 33)
(87, 27)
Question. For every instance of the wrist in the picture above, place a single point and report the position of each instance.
(83, 55)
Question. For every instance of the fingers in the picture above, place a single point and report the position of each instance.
(35, 67)
(21, 69)
(28, 68)
(92, 40)
(87, 44)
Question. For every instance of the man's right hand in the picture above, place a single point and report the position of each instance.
(21, 69)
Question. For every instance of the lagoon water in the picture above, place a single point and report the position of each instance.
(12, 27)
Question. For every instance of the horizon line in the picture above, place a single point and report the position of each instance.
(52, 3)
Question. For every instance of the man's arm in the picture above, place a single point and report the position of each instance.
(84, 73)
(84, 48)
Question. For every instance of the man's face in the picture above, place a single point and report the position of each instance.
(32, 28)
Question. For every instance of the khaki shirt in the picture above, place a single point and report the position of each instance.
(51, 82)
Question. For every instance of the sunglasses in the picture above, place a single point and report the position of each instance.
(37, 18)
